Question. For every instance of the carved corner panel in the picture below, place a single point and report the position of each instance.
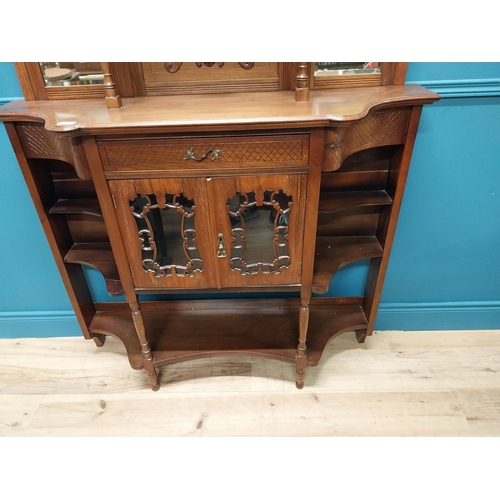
(38, 142)
(382, 128)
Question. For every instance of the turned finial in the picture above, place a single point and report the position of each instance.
(113, 100)
(302, 83)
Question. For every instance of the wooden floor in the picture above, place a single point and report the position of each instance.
(444, 383)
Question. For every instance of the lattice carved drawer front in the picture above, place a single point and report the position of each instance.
(157, 155)
(382, 128)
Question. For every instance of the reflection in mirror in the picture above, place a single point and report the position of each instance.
(167, 234)
(346, 68)
(259, 232)
(57, 74)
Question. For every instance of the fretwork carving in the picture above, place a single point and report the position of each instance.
(273, 209)
(164, 239)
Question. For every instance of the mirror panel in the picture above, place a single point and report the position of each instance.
(65, 74)
(325, 69)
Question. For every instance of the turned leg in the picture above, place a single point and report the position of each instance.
(301, 348)
(147, 357)
(361, 335)
(99, 339)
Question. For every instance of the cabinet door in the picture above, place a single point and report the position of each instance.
(259, 229)
(165, 224)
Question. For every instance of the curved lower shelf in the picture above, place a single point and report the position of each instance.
(180, 330)
(334, 252)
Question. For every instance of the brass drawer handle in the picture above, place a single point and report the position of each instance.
(221, 247)
(191, 155)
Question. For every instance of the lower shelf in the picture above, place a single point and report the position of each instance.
(187, 329)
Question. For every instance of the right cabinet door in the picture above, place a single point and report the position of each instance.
(259, 222)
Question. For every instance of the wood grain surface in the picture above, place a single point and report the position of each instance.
(444, 383)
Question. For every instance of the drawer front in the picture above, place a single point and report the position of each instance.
(204, 153)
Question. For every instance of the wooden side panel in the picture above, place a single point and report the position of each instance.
(56, 230)
(386, 229)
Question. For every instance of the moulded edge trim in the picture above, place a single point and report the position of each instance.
(5, 100)
(481, 87)
(480, 315)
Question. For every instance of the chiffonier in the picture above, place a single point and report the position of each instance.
(256, 187)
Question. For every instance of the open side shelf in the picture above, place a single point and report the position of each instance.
(98, 256)
(339, 200)
(77, 206)
(334, 252)
(188, 329)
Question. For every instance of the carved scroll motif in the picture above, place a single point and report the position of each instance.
(173, 67)
(163, 243)
(275, 206)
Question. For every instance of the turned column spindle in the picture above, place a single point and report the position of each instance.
(113, 100)
(302, 83)
(301, 348)
(147, 357)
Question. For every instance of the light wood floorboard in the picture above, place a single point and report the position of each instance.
(444, 383)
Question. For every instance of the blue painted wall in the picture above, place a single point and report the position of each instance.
(444, 271)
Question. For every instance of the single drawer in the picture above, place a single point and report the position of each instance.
(204, 153)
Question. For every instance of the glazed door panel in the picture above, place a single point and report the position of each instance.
(259, 221)
(165, 225)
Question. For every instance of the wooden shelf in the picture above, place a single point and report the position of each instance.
(98, 256)
(333, 253)
(186, 329)
(339, 200)
(88, 206)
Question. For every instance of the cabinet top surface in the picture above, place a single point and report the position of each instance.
(214, 111)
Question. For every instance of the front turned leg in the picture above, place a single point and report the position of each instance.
(147, 357)
(301, 362)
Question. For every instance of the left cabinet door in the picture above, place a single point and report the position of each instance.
(165, 225)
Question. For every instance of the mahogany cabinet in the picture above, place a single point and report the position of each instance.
(215, 193)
